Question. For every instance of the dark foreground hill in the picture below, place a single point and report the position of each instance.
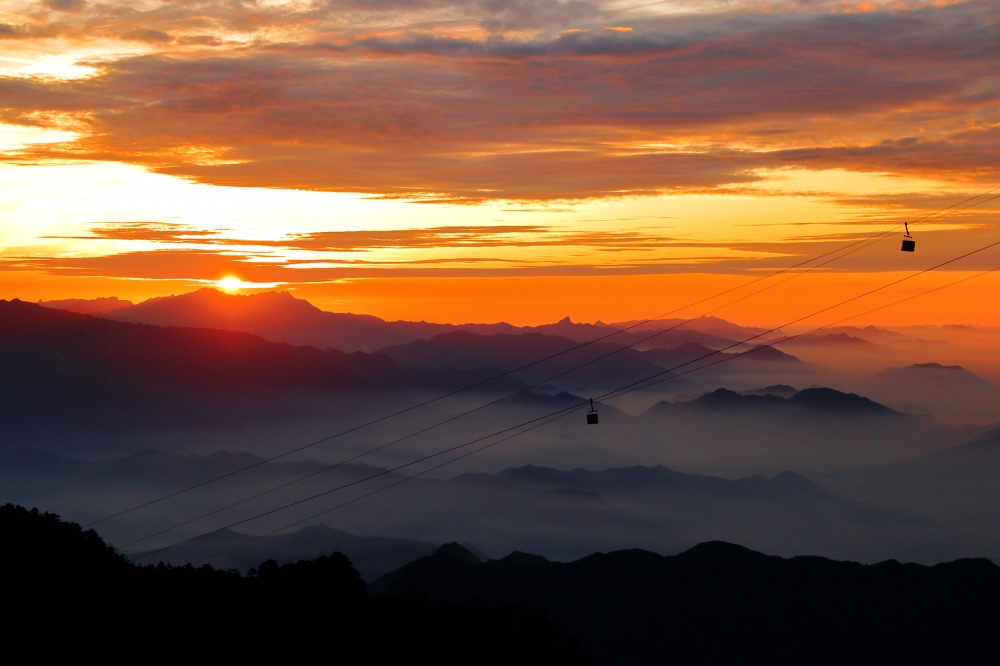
(66, 593)
(723, 604)
(371, 556)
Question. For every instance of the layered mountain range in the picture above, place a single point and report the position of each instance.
(280, 317)
(118, 403)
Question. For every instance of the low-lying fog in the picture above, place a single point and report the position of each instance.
(856, 443)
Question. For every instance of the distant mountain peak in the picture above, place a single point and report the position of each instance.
(789, 480)
(780, 390)
(720, 551)
(832, 399)
(94, 306)
(457, 551)
(721, 397)
(936, 366)
(833, 339)
(215, 296)
(819, 398)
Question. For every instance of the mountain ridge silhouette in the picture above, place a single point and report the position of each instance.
(280, 317)
(721, 603)
(64, 586)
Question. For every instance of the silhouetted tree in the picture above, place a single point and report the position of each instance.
(68, 593)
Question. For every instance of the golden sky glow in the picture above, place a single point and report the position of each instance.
(406, 158)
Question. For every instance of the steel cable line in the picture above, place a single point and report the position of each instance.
(860, 245)
(628, 388)
(578, 407)
(478, 408)
(809, 332)
(827, 309)
(386, 417)
(377, 490)
(866, 242)
(456, 391)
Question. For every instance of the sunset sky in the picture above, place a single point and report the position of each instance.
(519, 160)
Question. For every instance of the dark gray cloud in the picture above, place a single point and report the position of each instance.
(66, 5)
(678, 103)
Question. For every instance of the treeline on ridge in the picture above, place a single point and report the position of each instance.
(68, 592)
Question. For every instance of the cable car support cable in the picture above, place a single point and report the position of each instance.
(628, 388)
(935, 215)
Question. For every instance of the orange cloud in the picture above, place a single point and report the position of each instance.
(517, 106)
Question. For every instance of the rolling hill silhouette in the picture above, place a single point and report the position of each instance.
(814, 429)
(958, 486)
(829, 340)
(280, 317)
(63, 586)
(468, 351)
(945, 390)
(60, 370)
(563, 514)
(819, 400)
(719, 603)
(371, 556)
(705, 324)
(869, 333)
(780, 390)
(692, 351)
(93, 306)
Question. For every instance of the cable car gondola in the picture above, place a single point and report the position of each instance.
(592, 414)
(909, 245)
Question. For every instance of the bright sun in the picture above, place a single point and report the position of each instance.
(230, 283)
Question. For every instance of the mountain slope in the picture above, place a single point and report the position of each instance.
(60, 370)
(814, 430)
(959, 486)
(94, 306)
(829, 340)
(280, 317)
(563, 514)
(946, 390)
(371, 556)
(698, 355)
(65, 586)
(719, 603)
(710, 325)
(607, 365)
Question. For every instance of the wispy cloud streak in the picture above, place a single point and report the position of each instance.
(525, 100)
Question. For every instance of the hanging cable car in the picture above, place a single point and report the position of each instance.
(909, 245)
(592, 414)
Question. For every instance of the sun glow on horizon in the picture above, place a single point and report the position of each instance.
(231, 283)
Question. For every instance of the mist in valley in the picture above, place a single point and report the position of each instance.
(863, 443)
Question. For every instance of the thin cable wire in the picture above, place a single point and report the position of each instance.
(863, 243)
(473, 410)
(869, 242)
(465, 388)
(628, 388)
(857, 246)
(582, 405)
(879, 236)
(827, 309)
(377, 490)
